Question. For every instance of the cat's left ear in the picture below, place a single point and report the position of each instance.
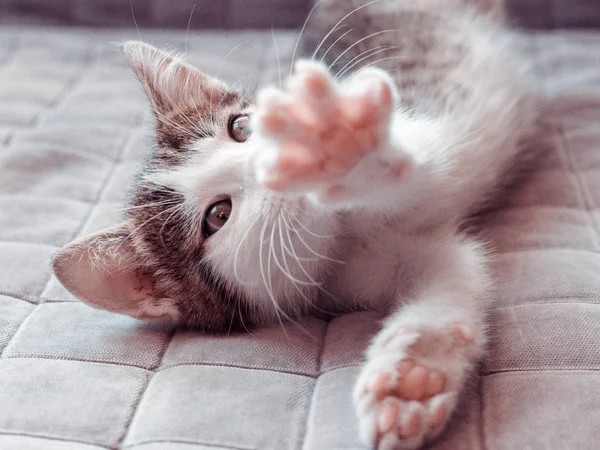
(168, 81)
(103, 270)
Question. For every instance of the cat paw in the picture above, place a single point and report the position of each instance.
(320, 130)
(409, 386)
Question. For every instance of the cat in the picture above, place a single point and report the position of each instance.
(347, 188)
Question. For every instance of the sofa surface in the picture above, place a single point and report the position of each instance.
(250, 13)
(72, 132)
(157, 13)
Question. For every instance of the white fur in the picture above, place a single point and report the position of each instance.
(382, 239)
(387, 241)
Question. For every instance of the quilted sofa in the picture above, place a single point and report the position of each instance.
(72, 133)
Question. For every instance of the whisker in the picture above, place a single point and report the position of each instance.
(236, 273)
(309, 301)
(320, 287)
(334, 42)
(134, 20)
(339, 22)
(187, 31)
(286, 271)
(308, 247)
(360, 55)
(301, 33)
(312, 233)
(278, 59)
(353, 62)
(132, 232)
(358, 42)
(266, 283)
(145, 205)
(177, 210)
(219, 72)
(383, 59)
(195, 127)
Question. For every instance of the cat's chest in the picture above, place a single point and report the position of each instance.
(375, 261)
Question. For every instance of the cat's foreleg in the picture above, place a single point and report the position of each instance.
(417, 365)
(333, 141)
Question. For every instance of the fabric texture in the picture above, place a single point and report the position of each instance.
(72, 132)
(157, 13)
(250, 13)
(554, 13)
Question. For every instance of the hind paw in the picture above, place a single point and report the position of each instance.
(409, 386)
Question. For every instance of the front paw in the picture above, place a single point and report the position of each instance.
(409, 385)
(317, 131)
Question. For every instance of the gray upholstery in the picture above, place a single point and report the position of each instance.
(250, 13)
(157, 13)
(554, 13)
(73, 378)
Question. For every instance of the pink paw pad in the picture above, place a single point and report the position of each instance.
(439, 415)
(410, 425)
(388, 416)
(416, 382)
(321, 129)
(391, 419)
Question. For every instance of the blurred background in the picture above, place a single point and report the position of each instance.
(236, 14)
(231, 14)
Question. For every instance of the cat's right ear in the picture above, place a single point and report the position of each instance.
(104, 271)
(168, 81)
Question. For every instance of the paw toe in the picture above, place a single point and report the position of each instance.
(414, 384)
(377, 85)
(439, 415)
(272, 122)
(435, 383)
(380, 383)
(388, 416)
(411, 424)
(313, 80)
(440, 408)
(296, 158)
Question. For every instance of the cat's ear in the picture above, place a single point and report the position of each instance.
(166, 78)
(103, 270)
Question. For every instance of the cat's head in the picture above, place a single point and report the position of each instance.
(202, 244)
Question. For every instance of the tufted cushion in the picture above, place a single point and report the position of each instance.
(73, 378)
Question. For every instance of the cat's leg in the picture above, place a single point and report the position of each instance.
(327, 139)
(417, 365)
(351, 145)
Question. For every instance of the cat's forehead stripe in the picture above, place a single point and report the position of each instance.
(178, 262)
(177, 130)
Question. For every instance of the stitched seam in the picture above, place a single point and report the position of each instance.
(480, 428)
(84, 71)
(25, 298)
(142, 394)
(239, 366)
(49, 437)
(545, 370)
(76, 360)
(542, 303)
(162, 369)
(301, 442)
(554, 249)
(190, 442)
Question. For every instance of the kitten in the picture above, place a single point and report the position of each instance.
(344, 190)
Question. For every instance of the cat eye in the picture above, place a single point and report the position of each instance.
(216, 216)
(239, 128)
